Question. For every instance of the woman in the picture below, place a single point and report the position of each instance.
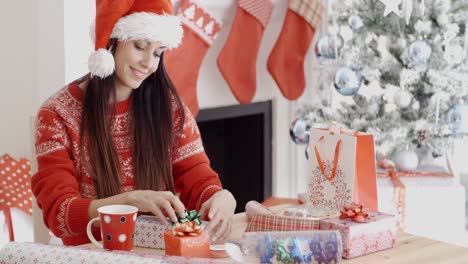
(121, 134)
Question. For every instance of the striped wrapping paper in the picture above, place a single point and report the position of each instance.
(262, 223)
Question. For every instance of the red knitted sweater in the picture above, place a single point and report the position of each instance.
(64, 189)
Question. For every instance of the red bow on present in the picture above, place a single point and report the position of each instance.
(187, 226)
(186, 229)
(357, 212)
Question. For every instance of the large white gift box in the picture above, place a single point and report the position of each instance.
(434, 207)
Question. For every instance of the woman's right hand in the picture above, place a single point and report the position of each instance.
(158, 203)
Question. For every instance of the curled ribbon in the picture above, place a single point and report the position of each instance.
(399, 191)
(357, 213)
(187, 226)
(389, 166)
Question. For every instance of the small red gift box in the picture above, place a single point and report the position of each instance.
(186, 237)
(377, 231)
(187, 246)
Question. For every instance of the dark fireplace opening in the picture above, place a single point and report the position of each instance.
(237, 140)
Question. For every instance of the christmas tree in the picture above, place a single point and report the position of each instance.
(401, 72)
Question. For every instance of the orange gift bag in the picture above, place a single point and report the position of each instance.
(342, 169)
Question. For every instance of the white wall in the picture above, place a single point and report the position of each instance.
(18, 75)
(77, 18)
(50, 49)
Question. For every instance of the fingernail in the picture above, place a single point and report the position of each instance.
(213, 238)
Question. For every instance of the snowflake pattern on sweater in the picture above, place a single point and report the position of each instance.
(64, 187)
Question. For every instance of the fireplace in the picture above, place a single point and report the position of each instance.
(237, 139)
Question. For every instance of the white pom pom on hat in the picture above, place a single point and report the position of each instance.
(151, 20)
(101, 63)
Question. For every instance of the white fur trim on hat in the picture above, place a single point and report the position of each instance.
(166, 29)
(101, 63)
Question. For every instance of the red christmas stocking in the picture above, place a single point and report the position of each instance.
(238, 59)
(183, 63)
(286, 61)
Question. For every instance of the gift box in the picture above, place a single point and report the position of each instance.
(186, 237)
(428, 206)
(264, 223)
(296, 218)
(371, 234)
(187, 246)
(420, 198)
(149, 232)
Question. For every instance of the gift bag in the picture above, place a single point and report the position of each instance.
(342, 169)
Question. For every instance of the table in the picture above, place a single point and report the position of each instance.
(409, 249)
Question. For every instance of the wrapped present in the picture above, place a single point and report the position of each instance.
(420, 200)
(432, 207)
(149, 232)
(363, 232)
(186, 237)
(339, 169)
(15, 252)
(287, 247)
(296, 218)
(188, 246)
(263, 222)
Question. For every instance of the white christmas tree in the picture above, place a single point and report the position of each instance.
(402, 72)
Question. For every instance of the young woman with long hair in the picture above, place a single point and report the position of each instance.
(122, 135)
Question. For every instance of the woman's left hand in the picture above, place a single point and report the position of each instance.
(220, 209)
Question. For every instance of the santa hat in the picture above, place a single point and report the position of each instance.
(151, 20)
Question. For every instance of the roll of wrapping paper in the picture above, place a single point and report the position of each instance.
(253, 207)
(287, 247)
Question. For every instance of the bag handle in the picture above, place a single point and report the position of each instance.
(335, 159)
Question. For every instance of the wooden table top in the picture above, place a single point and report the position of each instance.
(409, 249)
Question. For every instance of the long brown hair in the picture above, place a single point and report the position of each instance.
(152, 129)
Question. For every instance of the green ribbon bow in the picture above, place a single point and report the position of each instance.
(192, 215)
(282, 252)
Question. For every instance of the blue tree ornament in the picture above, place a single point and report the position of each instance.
(347, 81)
(457, 119)
(299, 131)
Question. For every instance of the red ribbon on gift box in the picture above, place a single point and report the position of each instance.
(356, 212)
(399, 190)
(186, 229)
(189, 225)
